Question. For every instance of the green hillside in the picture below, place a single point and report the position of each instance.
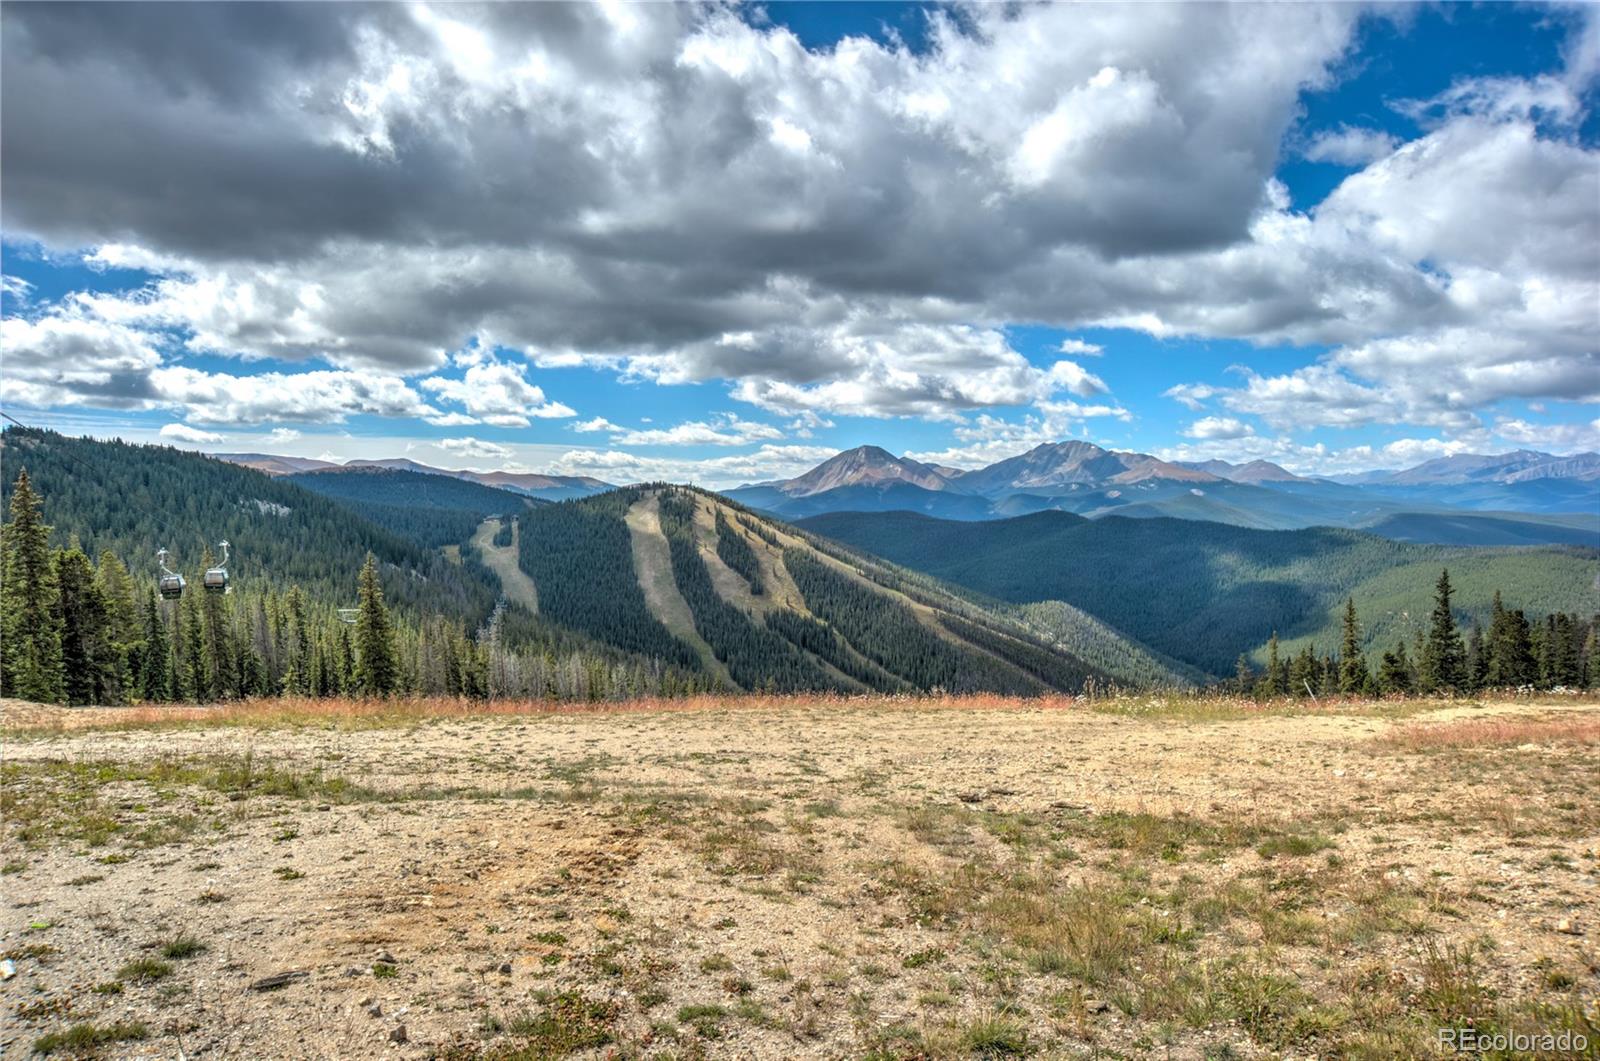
(134, 500)
(296, 557)
(431, 510)
(1203, 592)
(687, 576)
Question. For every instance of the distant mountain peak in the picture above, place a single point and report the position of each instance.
(864, 466)
(1256, 471)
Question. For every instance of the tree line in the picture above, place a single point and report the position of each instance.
(1561, 651)
(80, 631)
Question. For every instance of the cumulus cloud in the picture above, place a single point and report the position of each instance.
(474, 447)
(1219, 427)
(1347, 146)
(494, 393)
(1554, 438)
(1079, 348)
(185, 433)
(598, 423)
(765, 462)
(725, 430)
(837, 231)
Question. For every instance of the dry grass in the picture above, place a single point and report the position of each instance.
(1489, 732)
(21, 719)
(770, 878)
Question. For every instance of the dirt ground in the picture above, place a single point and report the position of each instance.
(856, 879)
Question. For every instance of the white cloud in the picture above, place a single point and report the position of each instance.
(303, 397)
(1219, 427)
(1347, 146)
(494, 393)
(1071, 376)
(766, 462)
(599, 423)
(185, 433)
(725, 430)
(841, 230)
(280, 435)
(1552, 438)
(474, 447)
(1080, 348)
(1193, 395)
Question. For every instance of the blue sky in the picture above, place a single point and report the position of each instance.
(678, 242)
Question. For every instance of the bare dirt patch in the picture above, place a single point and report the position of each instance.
(504, 562)
(798, 879)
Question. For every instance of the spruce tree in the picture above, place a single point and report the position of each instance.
(1277, 668)
(196, 682)
(1444, 658)
(1394, 673)
(89, 662)
(155, 677)
(124, 629)
(30, 632)
(1353, 677)
(221, 675)
(377, 669)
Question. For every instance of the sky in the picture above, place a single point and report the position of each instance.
(718, 243)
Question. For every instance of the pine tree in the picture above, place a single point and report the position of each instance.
(1304, 672)
(155, 678)
(30, 633)
(1353, 676)
(1443, 665)
(1477, 658)
(377, 670)
(88, 661)
(1243, 675)
(221, 677)
(1277, 676)
(124, 629)
(297, 672)
(196, 682)
(1567, 666)
(1394, 673)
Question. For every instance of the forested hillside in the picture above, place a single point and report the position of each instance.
(774, 609)
(134, 500)
(80, 597)
(1202, 592)
(431, 510)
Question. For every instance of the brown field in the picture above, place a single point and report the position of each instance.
(765, 878)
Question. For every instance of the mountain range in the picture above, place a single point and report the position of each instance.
(1514, 498)
(659, 576)
(1520, 498)
(531, 484)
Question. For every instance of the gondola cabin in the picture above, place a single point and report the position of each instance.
(215, 579)
(170, 586)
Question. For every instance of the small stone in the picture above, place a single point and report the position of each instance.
(8, 969)
(277, 980)
(505, 968)
(1569, 927)
(399, 1034)
(385, 958)
(1094, 1005)
(375, 1010)
(323, 806)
